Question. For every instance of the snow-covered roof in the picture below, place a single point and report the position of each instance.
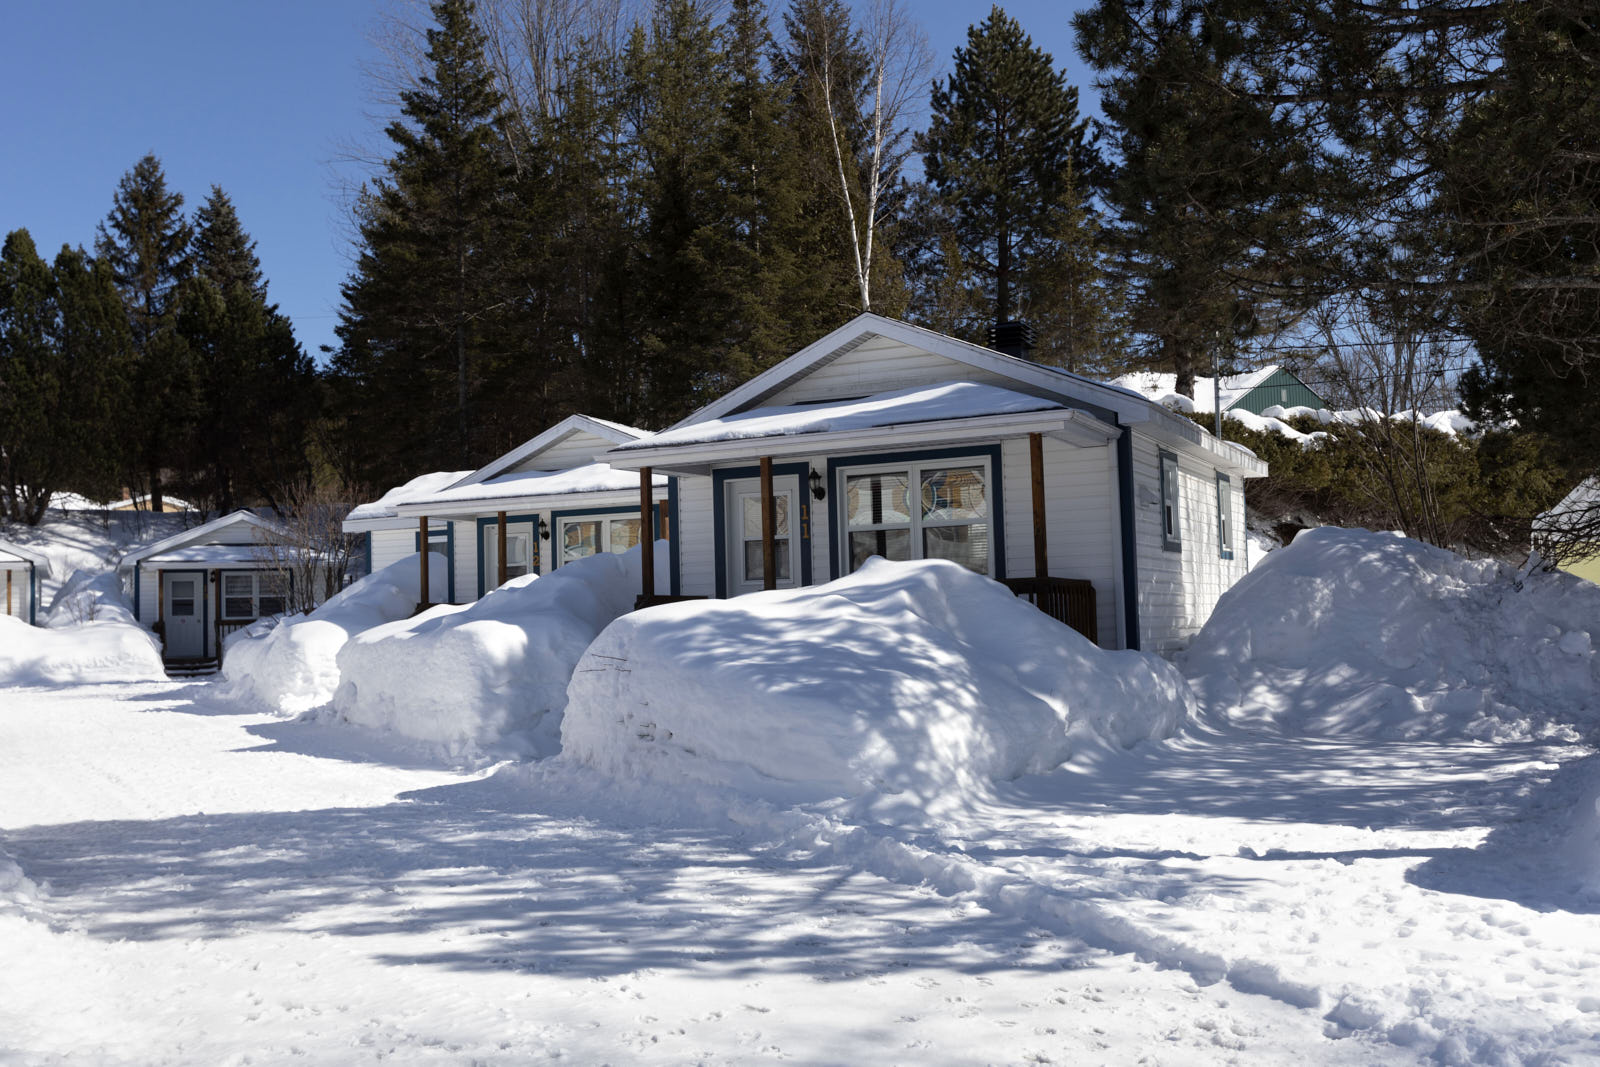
(528, 487)
(613, 432)
(11, 552)
(1159, 385)
(226, 531)
(235, 555)
(421, 485)
(946, 400)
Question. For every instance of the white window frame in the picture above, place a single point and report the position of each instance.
(559, 553)
(255, 579)
(1225, 532)
(913, 469)
(1171, 515)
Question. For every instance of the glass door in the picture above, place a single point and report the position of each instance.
(745, 560)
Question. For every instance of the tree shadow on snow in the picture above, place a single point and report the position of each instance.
(465, 880)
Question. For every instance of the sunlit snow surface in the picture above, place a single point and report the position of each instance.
(1304, 872)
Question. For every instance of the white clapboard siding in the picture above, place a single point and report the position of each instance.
(21, 578)
(577, 449)
(879, 366)
(466, 562)
(697, 565)
(1080, 510)
(391, 546)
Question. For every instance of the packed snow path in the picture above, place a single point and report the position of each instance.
(222, 887)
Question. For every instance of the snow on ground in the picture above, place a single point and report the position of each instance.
(291, 665)
(490, 678)
(101, 651)
(921, 680)
(1377, 841)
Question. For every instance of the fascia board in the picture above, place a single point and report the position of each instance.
(462, 509)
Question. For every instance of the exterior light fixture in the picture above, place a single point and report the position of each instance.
(544, 529)
(816, 485)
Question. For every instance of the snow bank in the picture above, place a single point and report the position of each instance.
(16, 889)
(100, 651)
(921, 679)
(489, 679)
(89, 596)
(293, 666)
(1349, 632)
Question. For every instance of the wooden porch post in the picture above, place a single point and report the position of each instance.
(422, 540)
(647, 544)
(216, 616)
(769, 521)
(500, 539)
(1041, 546)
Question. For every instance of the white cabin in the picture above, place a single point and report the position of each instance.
(21, 570)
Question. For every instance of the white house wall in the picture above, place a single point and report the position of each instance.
(391, 546)
(1080, 520)
(1177, 591)
(879, 366)
(697, 552)
(577, 449)
(21, 589)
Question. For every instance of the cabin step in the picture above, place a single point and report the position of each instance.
(193, 668)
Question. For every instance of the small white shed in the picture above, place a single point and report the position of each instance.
(22, 568)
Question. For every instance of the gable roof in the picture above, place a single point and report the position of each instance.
(238, 520)
(614, 432)
(11, 552)
(1127, 406)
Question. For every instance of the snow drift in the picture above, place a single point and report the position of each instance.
(1349, 632)
(100, 651)
(292, 666)
(89, 596)
(490, 678)
(921, 679)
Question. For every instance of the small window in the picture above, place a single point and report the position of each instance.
(589, 537)
(919, 511)
(1224, 516)
(248, 595)
(1171, 517)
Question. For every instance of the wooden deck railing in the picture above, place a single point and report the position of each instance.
(1068, 600)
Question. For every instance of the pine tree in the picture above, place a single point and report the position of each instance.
(222, 251)
(145, 241)
(98, 362)
(1004, 141)
(424, 308)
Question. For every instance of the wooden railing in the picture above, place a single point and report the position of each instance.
(1068, 600)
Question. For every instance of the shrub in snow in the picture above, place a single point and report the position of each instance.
(99, 651)
(1349, 632)
(491, 678)
(915, 678)
(292, 666)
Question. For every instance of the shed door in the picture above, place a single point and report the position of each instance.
(185, 617)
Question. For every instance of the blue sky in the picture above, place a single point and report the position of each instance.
(257, 97)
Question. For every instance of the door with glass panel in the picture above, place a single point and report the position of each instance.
(590, 535)
(936, 510)
(743, 535)
(184, 618)
(521, 557)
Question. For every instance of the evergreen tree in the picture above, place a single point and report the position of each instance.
(255, 393)
(145, 240)
(425, 308)
(1004, 141)
(64, 350)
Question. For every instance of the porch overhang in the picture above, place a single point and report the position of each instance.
(1069, 425)
(517, 505)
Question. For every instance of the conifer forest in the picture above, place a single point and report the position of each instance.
(624, 209)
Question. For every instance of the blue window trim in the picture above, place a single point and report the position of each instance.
(625, 513)
(997, 510)
(674, 532)
(205, 609)
(719, 480)
(1173, 543)
(367, 548)
(137, 568)
(486, 521)
(449, 555)
(1224, 514)
(1130, 549)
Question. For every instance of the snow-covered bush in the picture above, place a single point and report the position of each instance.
(491, 678)
(1352, 632)
(89, 596)
(99, 651)
(293, 666)
(916, 678)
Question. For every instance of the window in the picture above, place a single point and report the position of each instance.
(1224, 517)
(252, 595)
(750, 537)
(1171, 518)
(588, 537)
(522, 555)
(934, 510)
